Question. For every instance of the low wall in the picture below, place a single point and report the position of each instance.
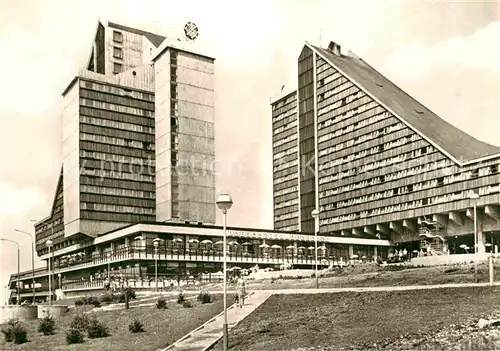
(52, 310)
(15, 311)
(443, 260)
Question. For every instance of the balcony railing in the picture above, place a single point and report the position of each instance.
(262, 256)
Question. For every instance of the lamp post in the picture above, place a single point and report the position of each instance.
(32, 259)
(156, 242)
(49, 246)
(224, 203)
(315, 215)
(474, 197)
(18, 297)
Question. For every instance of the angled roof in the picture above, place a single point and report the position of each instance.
(155, 39)
(462, 147)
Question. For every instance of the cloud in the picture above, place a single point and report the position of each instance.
(478, 51)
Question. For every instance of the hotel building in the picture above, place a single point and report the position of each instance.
(137, 170)
(376, 163)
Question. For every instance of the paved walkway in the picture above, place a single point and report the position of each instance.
(209, 333)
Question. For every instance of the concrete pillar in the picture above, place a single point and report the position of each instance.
(351, 251)
(112, 246)
(375, 252)
(480, 235)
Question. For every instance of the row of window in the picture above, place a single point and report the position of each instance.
(292, 124)
(377, 164)
(50, 225)
(378, 116)
(290, 228)
(343, 94)
(52, 236)
(290, 151)
(286, 165)
(116, 108)
(117, 125)
(117, 91)
(345, 112)
(286, 204)
(118, 175)
(285, 178)
(284, 140)
(286, 191)
(389, 177)
(289, 111)
(376, 134)
(117, 192)
(284, 102)
(117, 208)
(117, 141)
(408, 205)
(282, 217)
(116, 158)
(326, 77)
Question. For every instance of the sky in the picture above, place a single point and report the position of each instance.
(446, 54)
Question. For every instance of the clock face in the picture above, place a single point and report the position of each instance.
(191, 30)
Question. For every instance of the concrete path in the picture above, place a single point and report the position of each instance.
(378, 288)
(203, 337)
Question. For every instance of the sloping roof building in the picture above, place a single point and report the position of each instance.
(373, 160)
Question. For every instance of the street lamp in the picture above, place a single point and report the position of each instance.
(156, 243)
(315, 215)
(49, 246)
(32, 259)
(474, 197)
(18, 263)
(224, 203)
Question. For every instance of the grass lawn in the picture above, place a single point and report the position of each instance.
(162, 327)
(372, 275)
(357, 320)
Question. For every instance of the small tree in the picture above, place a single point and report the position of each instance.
(15, 331)
(47, 326)
(96, 329)
(74, 336)
(161, 303)
(181, 298)
(136, 326)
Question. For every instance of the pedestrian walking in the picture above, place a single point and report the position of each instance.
(241, 286)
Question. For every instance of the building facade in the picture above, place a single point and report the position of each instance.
(377, 163)
(138, 168)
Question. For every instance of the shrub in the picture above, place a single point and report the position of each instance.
(187, 304)
(161, 303)
(204, 297)
(80, 322)
(79, 302)
(74, 336)
(94, 301)
(97, 329)
(15, 331)
(136, 327)
(106, 298)
(181, 298)
(47, 326)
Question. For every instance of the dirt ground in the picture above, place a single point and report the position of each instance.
(361, 320)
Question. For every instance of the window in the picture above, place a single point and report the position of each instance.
(475, 173)
(493, 169)
(117, 68)
(440, 181)
(146, 145)
(174, 159)
(425, 202)
(117, 36)
(117, 52)
(423, 150)
(409, 188)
